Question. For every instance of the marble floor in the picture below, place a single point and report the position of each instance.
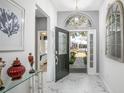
(76, 83)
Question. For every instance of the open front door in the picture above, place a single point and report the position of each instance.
(61, 53)
(91, 65)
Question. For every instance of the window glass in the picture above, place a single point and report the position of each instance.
(78, 21)
(114, 31)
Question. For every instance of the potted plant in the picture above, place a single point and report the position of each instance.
(85, 60)
(72, 58)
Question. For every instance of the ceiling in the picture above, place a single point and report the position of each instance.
(85, 5)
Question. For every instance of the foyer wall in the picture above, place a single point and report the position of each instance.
(94, 15)
(29, 40)
(110, 70)
(41, 24)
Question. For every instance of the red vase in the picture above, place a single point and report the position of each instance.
(16, 70)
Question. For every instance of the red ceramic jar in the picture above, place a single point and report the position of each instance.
(16, 70)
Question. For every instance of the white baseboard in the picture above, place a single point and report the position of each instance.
(106, 84)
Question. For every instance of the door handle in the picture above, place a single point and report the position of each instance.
(56, 52)
(56, 60)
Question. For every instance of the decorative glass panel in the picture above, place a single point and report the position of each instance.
(78, 21)
(91, 50)
(62, 43)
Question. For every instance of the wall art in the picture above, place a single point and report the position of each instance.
(11, 26)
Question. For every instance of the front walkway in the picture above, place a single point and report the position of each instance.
(76, 83)
(78, 66)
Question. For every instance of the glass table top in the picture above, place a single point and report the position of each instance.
(9, 84)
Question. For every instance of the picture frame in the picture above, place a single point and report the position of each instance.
(11, 26)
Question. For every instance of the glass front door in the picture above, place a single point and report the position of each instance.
(61, 53)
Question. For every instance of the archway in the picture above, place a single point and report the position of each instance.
(78, 21)
(81, 58)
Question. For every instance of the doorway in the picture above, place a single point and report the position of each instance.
(78, 51)
(41, 27)
(81, 55)
(83, 51)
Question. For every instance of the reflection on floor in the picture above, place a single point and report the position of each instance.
(76, 83)
(78, 66)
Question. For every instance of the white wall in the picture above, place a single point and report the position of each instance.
(110, 70)
(41, 23)
(29, 40)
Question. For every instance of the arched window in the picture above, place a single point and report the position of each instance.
(78, 21)
(114, 31)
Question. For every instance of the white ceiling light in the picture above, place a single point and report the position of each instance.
(76, 19)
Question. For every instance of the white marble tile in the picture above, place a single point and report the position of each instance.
(76, 83)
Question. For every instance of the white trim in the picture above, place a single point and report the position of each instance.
(81, 30)
(106, 84)
(49, 78)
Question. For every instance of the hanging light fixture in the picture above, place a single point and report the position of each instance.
(76, 4)
(76, 19)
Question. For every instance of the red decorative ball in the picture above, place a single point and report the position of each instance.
(16, 70)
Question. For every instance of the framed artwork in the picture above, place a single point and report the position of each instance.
(11, 26)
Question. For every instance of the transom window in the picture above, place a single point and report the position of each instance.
(114, 31)
(78, 22)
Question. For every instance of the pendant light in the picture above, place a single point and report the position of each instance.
(76, 19)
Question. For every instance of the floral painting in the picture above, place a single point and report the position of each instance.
(11, 26)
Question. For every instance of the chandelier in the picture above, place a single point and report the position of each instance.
(76, 19)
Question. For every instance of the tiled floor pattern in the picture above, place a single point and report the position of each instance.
(76, 83)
